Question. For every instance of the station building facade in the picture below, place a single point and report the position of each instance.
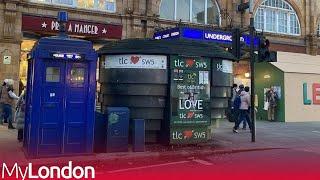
(292, 26)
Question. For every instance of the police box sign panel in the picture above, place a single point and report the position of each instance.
(190, 90)
(136, 61)
(48, 25)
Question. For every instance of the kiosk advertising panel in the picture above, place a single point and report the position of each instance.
(190, 99)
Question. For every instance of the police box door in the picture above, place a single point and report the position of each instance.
(63, 108)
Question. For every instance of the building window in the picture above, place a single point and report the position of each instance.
(277, 16)
(103, 5)
(318, 30)
(195, 11)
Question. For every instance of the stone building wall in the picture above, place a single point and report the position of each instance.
(10, 39)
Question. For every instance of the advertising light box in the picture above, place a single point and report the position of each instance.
(221, 37)
(189, 99)
(188, 135)
(190, 90)
(136, 61)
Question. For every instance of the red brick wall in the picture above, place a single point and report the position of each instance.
(288, 48)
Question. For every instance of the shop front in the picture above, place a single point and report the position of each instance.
(295, 79)
(36, 26)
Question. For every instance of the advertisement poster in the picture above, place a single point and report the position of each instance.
(135, 61)
(190, 99)
(190, 91)
(182, 135)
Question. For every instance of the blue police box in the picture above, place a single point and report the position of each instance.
(61, 91)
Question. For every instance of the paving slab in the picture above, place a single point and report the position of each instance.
(270, 135)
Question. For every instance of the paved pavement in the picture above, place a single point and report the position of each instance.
(297, 135)
(270, 135)
(282, 164)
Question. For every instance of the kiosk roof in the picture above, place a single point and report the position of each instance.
(297, 63)
(168, 47)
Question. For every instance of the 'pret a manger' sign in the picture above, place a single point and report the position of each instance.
(48, 25)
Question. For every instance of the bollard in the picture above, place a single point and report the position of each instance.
(138, 141)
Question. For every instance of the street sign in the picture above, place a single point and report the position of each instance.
(222, 37)
(6, 59)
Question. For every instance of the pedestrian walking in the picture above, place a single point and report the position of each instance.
(272, 98)
(231, 111)
(241, 88)
(7, 100)
(244, 109)
(234, 92)
(21, 106)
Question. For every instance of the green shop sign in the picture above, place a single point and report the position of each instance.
(188, 135)
(190, 91)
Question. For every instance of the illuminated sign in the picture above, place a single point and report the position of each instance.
(135, 61)
(74, 56)
(167, 34)
(49, 25)
(191, 33)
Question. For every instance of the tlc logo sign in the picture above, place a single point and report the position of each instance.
(315, 94)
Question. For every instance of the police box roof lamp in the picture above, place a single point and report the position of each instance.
(62, 20)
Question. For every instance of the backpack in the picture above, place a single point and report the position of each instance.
(237, 102)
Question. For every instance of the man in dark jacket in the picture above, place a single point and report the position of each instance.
(244, 109)
(272, 98)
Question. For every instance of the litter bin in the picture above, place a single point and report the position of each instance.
(117, 129)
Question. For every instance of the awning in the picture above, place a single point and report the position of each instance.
(298, 63)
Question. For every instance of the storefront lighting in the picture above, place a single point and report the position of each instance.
(247, 75)
(267, 76)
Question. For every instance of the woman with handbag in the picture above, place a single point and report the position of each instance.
(272, 98)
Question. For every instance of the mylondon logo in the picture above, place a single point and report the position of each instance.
(44, 172)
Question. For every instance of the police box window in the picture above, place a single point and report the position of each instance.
(77, 75)
(53, 74)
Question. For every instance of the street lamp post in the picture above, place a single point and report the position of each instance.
(252, 69)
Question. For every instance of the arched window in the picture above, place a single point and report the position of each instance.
(100, 5)
(196, 11)
(277, 16)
